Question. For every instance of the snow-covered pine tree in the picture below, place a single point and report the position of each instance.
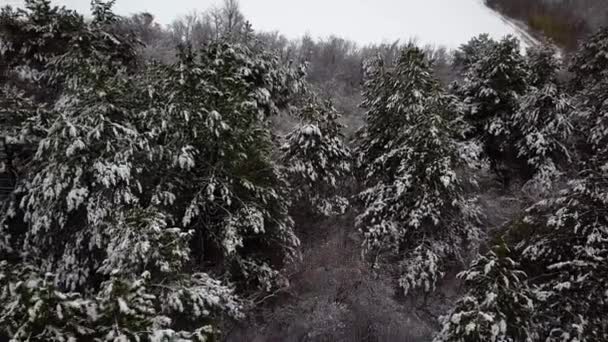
(590, 69)
(16, 109)
(89, 236)
(209, 114)
(567, 245)
(491, 91)
(151, 197)
(544, 64)
(475, 49)
(498, 306)
(562, 244)
(415, 210)
(317, 161)
(566, 252)
(590, 61)
(542, 125)
(33, 37)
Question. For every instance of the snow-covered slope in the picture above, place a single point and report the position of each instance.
(519, 29)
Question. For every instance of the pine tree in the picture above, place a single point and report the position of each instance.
(317, 161)
(474, 50)
(542, 126)
(15, 110)
(497, 306)
(152, 207)
(567, 251)
(590, 69)
(38, 36)
(567, 246)
(415, 210)
(88, 227)
(209, 112)
(491, 91)
(562, 244)
(32, 36)
(590, 61)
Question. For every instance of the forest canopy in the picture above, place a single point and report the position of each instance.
(200, 182)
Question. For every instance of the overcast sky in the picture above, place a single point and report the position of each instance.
(440, 22)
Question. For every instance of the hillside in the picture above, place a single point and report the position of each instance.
(565, 22)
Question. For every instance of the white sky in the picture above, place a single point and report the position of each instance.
(439, 22)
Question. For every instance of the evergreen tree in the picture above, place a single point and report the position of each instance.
(567, 244)
(543, 65)
(15, 110)
(497, 305)
(316, 159)
(39, 35)
(590, 62)
(209, 114)
(491, 92)
(542, 126)
(590, 69)
(474, 50)
(567, 250)
(152, 207)
(415, 210)
(562, 244)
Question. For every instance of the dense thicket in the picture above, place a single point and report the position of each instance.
(152, 208)
(546, 280)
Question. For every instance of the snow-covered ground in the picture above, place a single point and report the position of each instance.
(438, 22)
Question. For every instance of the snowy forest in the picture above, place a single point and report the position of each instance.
(205, 181)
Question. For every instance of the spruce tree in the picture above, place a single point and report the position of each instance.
(415, 211)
